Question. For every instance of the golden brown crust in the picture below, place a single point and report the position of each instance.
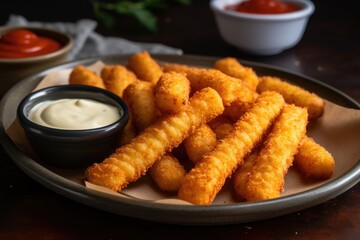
(266, 178)
(131, 161)
(116, 78)
(145, 67)
(83, 76)
(204, 181)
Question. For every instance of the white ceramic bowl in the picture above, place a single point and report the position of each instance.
(262, 34)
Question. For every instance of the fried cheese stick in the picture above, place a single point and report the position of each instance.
(131, 161)
(145, 67)
(202, 141)
(116, 78)
(229, 88)
(140, 98)
(294, 95)
(172, 92)
(232, 67)
(241, 175)
(266, 178)
(202, 183)
(83, 76)
(313, 160)
(168, 173)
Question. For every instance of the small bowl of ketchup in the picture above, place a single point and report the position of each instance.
(25, 50)
(262, 27)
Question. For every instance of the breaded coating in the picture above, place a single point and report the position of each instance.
(313, 160)
(229, 88)
(294, 95)
(168, 173)
(172, 93)
(232, 67)
(241, 175)
(237, 109)
(129, 132)
(204, 181)
(202, 141)
(84, 76)
(221, 126)
(145, 67)
(116, 78)
(140, 98)
(266, 178)
(131, 161)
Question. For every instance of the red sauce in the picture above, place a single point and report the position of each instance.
(264, 7)
(22, 43)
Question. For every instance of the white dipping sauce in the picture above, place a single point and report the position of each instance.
(74, 114)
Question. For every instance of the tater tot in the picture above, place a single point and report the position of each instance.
(145, 67)
(266, 178)
(202, 183)
(202, 141)
(172, 93)
(131, 161)
(84, 76)
(140, 98)
(117, 78)
(313, 160)
(232, 67)
(168, 173)
(294, 95)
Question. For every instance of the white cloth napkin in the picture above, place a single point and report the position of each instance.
(88, 43)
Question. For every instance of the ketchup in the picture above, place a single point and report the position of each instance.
(22, 43)
(264, 7)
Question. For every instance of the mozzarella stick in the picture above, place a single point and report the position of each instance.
(221, 126)
(229, 88)
(145, 67)
(241, 175)
(294, 95)
(168, 173)
(204, 181)
(202, 141)
(172, 93)
(232, 67)
(140, 98)
(131, 161)
(117, 78)
(83, 76)
(266, 178)
(313, 160)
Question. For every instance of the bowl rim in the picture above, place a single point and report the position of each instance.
(64, 133)
(307, 8)
(63, 50)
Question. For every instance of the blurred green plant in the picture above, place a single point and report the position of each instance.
(142, 10)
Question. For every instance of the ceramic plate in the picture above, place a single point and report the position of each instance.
(297, 195)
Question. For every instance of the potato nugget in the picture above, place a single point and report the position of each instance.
(313, 160)
(131, 161)
(294, 95)
(266, 178)
(232, 67)
(202, 141)
(84, 76)
(172, 93)
(168, 173)
(204, 181)
(140, 98)
(117, 78)
(145, 67)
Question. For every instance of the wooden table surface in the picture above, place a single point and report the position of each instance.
(329, 52)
